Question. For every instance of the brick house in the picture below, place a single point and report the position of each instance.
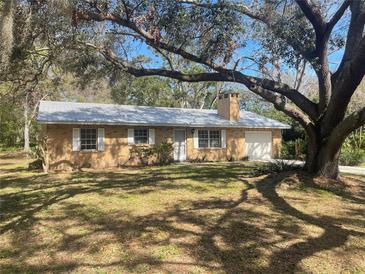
(101, 135)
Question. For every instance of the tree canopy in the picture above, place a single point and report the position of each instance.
(250, 44)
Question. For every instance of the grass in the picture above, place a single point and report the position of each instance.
(215, 218)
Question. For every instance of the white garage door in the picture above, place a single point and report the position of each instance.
(258, 145)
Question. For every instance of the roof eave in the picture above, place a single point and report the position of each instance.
(157, 124)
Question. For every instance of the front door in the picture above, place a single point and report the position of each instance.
(179, 145)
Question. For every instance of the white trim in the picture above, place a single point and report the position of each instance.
(151, 136)
(156, 125)
(76, 141)
(130, 136)
(101, 137)
(223, 138)
(195, 139)
(184, 146)
(209, 147)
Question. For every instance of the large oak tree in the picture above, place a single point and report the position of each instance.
(249, 43)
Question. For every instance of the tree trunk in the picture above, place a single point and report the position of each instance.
(322, 159)
(26, 128)
(26, 137)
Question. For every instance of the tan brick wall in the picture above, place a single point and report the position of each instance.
(116, 148)
(276, 142)
(229, 106)
(192, 153)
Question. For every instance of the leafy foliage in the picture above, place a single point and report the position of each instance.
(353, 149)
(278, 166)
(160, 154)
(351, 157)
(294, 149)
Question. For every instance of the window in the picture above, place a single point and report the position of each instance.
(203, 136)
(141, 136)
(209, 138)
(88, 139)
(215, 138)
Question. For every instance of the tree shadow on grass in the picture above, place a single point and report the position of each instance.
(287, 259)
(218, 233)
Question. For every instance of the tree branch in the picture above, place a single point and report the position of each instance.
(354, 35)
(313, 14)
(338, 15)
(349, 124)
(254, 84)
(281, 105)
(227, 75)
(186, 77)
(351, 75)
(149, 39)
(232, 6)
(306, 105)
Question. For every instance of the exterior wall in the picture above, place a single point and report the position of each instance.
(276, 142)
(208, 154)
(116, 148)
(235, 148)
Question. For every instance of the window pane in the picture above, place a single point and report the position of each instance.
(203, 142)
(203, 138)
(88, 138)
(141, 136)
(203, 134)
(215, 138)
(215, 143)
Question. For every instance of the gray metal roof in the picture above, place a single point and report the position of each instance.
(52, 112)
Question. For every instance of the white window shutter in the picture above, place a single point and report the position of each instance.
(196, 139)
(151, 136)
(223, 138)
(76, 143)
(101, 133)
(130, 136)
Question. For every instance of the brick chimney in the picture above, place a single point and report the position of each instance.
(229, 106)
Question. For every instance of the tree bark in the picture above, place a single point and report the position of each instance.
(26, 131)
(322, 159)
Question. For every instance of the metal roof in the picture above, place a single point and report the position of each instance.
(53, 112)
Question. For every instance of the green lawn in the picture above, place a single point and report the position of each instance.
(214, 218)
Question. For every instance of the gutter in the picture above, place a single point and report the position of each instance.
(159, 124)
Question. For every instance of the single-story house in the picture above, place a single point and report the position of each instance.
(101, 135)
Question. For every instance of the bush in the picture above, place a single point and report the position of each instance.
(141, 153)
(288, 150)
(278, 166)
(294, 149)
(35, 165)
(351, 157)
(161, 152)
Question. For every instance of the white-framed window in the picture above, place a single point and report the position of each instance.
(141, 136)
(88, 139)
(209, 138)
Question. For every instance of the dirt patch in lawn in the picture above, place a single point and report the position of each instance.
(214, 218)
